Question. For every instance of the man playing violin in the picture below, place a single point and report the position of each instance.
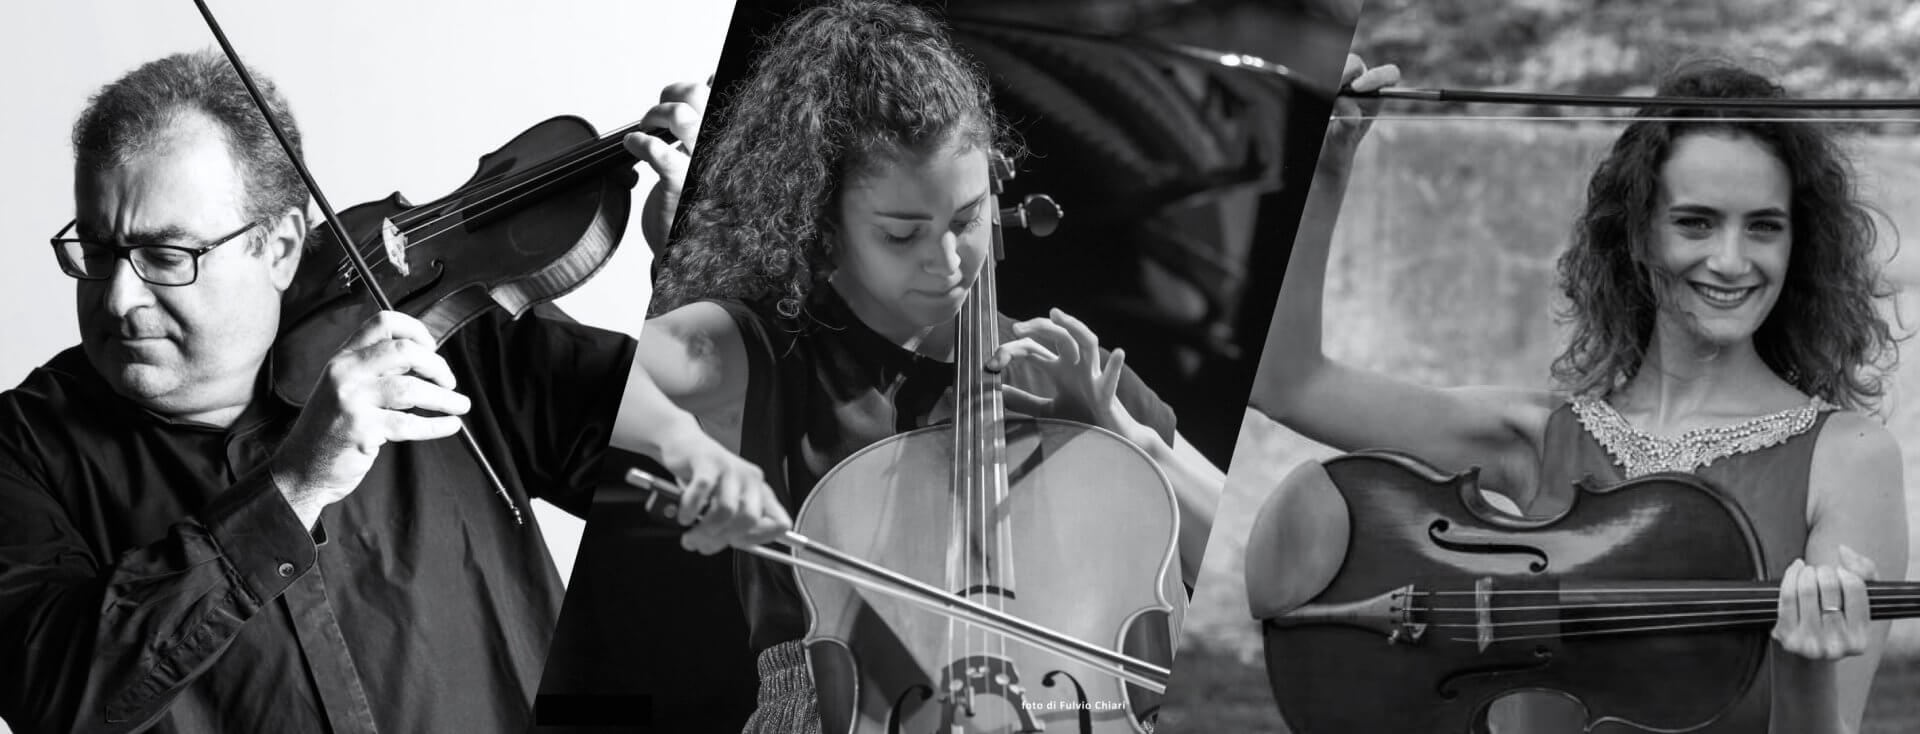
(185, 551)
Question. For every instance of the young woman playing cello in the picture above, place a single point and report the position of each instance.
(1722, 302)
(807, 310)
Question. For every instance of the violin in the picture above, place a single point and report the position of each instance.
(1394, 597)
(539, 217)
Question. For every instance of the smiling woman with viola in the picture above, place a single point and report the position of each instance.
(1722, 301)
(832, 271)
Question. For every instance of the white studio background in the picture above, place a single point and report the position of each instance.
(391, 95)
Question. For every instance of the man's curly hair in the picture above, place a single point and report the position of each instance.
(1824, 335)
(841, 88)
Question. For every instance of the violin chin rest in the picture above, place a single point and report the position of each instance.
(1298, 542)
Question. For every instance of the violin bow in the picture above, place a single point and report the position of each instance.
(345, 241)
(663, 496)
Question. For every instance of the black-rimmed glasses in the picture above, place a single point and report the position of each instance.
(166, 265)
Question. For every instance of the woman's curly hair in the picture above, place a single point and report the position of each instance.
(841, 88)
(1824, 335)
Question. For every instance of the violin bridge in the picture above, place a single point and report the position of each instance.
(395, 243)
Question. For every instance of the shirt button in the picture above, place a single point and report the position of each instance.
(286, 569)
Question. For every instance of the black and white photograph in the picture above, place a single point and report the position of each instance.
(1581, 412)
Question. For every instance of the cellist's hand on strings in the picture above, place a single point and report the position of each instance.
(1068, 352)
(725, 499)
(1352, 116)
(680, 109)
(1824, 609)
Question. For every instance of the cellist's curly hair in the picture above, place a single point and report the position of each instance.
(841, 88)
(1824, 334)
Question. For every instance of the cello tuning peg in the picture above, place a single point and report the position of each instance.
(1002, 166)
(1038, 214)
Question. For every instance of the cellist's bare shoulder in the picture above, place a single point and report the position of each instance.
(696, 355)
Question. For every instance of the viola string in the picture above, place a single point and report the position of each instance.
(1624, 119)
(1756, 587)
(1696, 626)
(1770, 601)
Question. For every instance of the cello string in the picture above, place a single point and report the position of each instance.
(985, 284)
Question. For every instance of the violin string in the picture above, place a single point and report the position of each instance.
(585, 150)
(582, 155)
(456, 216)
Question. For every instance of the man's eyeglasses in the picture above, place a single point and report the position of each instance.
(167, 265)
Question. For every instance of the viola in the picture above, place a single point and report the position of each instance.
(1394, 597)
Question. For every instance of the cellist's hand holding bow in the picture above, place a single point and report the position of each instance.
(725, 500)
(1824, 614)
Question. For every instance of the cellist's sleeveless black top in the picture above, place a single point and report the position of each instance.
(1762, 464)
(822, 386)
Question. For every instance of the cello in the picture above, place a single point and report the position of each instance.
(1377, 575)
(996, 525)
